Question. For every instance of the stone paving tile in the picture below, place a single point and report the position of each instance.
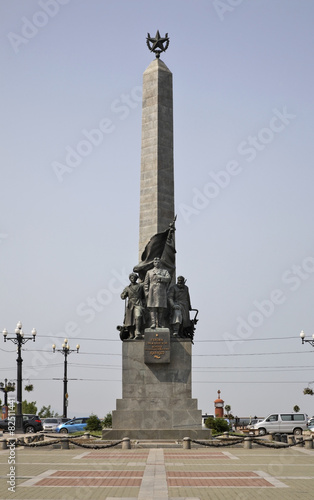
(289, 474)
(90, 482)
(221, 482)
(195, 474)
(154, 483)
(97, 473)
(127, 456)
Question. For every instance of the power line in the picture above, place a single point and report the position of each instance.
(241, 367)
(248, 370)
(195, 339)
(194, 381)
(254, 354)
(250, 382)
(82, 353)
(246, 340)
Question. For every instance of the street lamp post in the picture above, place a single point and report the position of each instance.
(19, 339)
(5, 388)
(65, 351)
(310, 341)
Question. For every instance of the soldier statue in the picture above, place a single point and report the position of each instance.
(155, 285)
(135, 307)
(180, 307)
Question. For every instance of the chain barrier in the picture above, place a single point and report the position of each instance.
(215, 443)
(259, 442)
(278, 444)
(218, 444)
(39, 444)
(96, 446)
(64, 435)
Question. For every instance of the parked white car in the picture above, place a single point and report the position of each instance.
(286, 423)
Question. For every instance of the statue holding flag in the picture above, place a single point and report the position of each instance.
(153, 296)
(161, 245)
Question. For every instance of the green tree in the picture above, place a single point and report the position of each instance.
(107, 423)
(93, 423)
(296, 408)
(217, 425)
(29, 407)
(308, 390)
(228, 413)
(46, 412)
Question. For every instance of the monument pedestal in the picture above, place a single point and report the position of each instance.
(156, 391)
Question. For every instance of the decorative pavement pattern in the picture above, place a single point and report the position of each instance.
(159, 474)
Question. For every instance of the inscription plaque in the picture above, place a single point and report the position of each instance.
(157, 346)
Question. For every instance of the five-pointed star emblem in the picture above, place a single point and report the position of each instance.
(158, 44)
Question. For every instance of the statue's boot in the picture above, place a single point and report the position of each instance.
(160, 319)
(153, 320)
(176, 328)
(138, 334)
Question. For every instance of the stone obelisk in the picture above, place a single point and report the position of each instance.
(157, 183)
(157, 398)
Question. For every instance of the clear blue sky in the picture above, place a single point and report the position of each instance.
(243, 135)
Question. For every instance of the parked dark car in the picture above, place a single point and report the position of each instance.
(31, 423)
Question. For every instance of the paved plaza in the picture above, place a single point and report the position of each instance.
(157, 473)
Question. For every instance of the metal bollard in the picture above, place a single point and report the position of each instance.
(247, 443)
(65, 444)
(186, 443)
(308, 443)
(126, 444)
(299, 441)
(284, 438)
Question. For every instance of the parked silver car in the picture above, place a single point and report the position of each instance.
(287, 423)
(50, 424)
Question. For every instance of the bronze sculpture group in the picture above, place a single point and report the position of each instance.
(153, 304)
(151, 301)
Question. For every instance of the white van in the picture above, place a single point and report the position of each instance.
(287, 423)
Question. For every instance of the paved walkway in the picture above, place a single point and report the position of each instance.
(232, 473)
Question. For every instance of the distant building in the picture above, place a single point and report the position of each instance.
(205, 416)
(219, 406)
